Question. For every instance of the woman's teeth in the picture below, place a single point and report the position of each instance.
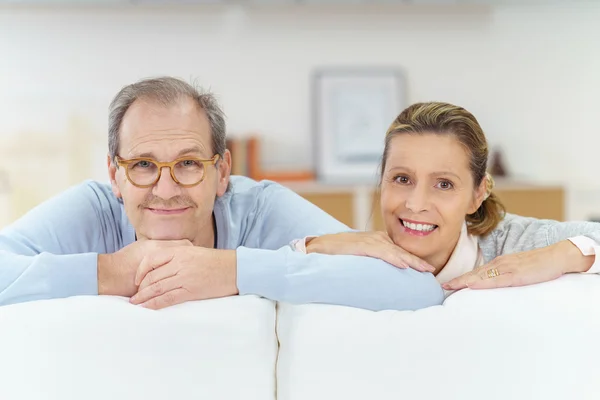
(419, 227)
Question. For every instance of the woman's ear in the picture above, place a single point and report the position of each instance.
(481, 193)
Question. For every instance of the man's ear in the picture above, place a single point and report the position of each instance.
(112, 174)
(223, 173)
(479, 196)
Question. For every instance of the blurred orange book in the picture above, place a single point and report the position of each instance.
(245, 154)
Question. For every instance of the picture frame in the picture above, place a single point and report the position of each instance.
(352, 109)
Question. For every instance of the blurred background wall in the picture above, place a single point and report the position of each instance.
(529, 71)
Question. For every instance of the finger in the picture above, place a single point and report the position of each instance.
(167, 299)
(410, 260)
(152, 261)
(505, 280)
(171, 243)
(157, 274)
(401, 258)
(385, 237)
(460, 282)
(156, 289)
(489, 271)
(416, 263)
(388, 253)
(395, 255)
(476, 276)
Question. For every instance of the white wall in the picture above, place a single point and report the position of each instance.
(530, 74)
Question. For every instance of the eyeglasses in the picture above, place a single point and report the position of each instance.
(186, 171)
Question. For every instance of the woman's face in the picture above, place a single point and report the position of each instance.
(427, 190)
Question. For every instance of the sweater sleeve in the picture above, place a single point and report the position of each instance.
(516, 234)
(363, 282)
(276, 271)
(52, 251)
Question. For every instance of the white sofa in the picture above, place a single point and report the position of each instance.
(537, 342)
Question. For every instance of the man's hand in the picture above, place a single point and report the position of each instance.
(116, 271)
(170, 276)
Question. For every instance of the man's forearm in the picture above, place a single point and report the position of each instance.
(46, 276)
(363, 282)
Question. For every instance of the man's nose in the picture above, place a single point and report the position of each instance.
(166, 187)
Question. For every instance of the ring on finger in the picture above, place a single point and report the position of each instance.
(492, 273)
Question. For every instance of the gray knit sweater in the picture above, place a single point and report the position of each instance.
(515, 234)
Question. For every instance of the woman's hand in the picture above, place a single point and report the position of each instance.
(371, 244)
(525, 268)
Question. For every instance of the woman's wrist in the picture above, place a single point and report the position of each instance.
(311, 244)
(577, 262)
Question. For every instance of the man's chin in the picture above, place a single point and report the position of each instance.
(166, 235)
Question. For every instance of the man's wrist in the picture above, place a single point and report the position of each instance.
(226, 267)
(230, 264)
(105, 279)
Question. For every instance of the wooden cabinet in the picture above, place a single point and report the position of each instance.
(358, 206)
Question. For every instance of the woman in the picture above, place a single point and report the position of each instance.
(442, 216)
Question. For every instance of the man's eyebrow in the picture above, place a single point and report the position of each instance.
(183, 152)
(189, 150)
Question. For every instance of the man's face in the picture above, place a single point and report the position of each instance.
(167, 210)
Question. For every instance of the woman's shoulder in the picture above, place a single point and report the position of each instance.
(515, 233)
(518, 233)
(514, 222)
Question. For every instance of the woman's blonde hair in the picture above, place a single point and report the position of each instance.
(447, 119)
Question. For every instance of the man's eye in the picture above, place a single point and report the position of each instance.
(143, 164)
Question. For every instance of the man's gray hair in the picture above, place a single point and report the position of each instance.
(166, 91)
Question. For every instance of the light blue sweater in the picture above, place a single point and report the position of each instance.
(52, 251)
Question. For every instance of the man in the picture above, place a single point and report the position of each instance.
(173, 226)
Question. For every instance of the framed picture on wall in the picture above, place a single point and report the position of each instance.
(352, 110)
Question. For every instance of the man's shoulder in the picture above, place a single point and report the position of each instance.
(243, 189)
(82, 210)
(83, 197)
(247, 198)
(241, 185)
(95, 191)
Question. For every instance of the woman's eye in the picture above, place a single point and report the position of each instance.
(401, 179)
(445, 185)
